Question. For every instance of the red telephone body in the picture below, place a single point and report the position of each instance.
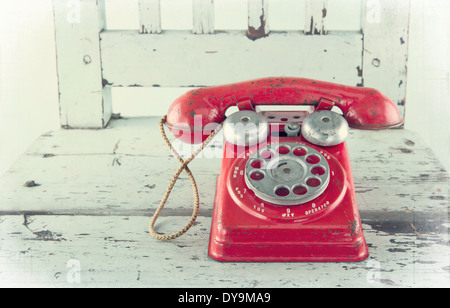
(283, 197)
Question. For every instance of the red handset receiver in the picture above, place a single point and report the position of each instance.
(285, 191)
(363, 108)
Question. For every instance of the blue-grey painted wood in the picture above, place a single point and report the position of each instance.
(85, 223)
(116, 251)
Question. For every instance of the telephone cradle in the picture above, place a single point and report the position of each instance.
(285, 191)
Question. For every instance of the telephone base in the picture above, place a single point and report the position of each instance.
(325, 229)
(294, 244)
(336, 237)
(289, 252)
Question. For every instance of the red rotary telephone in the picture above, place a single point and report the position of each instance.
(285, 191)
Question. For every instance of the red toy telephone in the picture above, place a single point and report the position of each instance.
(285, 191)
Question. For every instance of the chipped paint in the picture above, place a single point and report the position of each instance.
(257, 23)
(316, 13)
(255, 34)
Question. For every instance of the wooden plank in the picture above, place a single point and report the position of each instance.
(89, 251)
(81, 88)
(203, 16)
(385, 26)
(258, 25)
(120, 184)
(125, 170)
(280, 54)
(315, 17)
(149, 16)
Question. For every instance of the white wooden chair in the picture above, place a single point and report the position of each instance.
(76, 206)
(92, 59)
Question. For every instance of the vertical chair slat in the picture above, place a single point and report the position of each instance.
(315, 18)
(84, 96)
(257, 19)
(203, 16)
(385, 28)
(149, 16)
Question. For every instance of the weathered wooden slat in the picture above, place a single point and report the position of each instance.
(315, 18)
(84, 97)
(385, 27)
(258, 25)
(149, 16)
(225, 57)
(89, 251)
(125, 170)
(203, 15)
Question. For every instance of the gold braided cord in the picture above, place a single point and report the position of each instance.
(182, 167)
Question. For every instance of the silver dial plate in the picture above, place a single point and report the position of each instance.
(287, 173)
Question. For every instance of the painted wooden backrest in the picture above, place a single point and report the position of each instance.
(92, 59)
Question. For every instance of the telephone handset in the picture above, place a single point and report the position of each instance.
(285, 191)
(363, 108)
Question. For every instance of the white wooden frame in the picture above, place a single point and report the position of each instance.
(85, 100)
(92, 59)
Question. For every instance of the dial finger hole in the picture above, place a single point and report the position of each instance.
(300, 190)
(257, 176)
(257, 164)
(267, 154)
(312, 159)
(282, 191)
(299, 152)
(283, 150)
(313, 182)
(318, 170)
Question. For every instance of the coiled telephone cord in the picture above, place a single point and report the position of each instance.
(184, 167)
